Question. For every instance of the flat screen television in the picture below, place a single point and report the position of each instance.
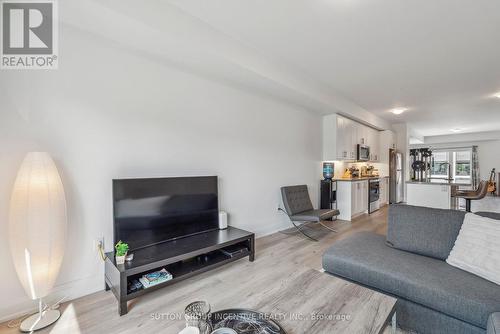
(148, 211)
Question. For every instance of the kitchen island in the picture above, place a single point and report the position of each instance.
(434, 193)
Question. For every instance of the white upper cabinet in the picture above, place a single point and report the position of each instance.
(363, 134)
(387, 142)
(341, 137)
(342, 140)
(353, 143)
(375, 145)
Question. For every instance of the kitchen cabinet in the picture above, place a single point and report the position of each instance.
(361, 134)
(387, 187)
(352, 198)
(387, 142)
(352, 144)
(359, 197)
(363, 197)
(341, 125)
(346, 138)
(373, 140)
(334, 138)
(384, 191)
(341, 137)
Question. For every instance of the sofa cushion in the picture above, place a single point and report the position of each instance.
(424, 231)
(364, 258)
(477, 249)
(315, 215)
(494, 324)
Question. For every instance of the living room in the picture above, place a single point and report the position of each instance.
(228, 106)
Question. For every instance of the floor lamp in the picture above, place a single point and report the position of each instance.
(37, 232)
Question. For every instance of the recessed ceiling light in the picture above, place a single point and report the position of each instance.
(497, 95)
(456, 130)
(399, 111)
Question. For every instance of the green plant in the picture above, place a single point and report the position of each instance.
(121, 248)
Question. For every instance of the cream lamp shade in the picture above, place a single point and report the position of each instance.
(37, 224)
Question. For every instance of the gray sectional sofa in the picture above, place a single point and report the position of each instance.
(409, 263)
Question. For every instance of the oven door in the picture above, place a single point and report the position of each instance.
(363, 153)
(374, 191)
(374, 196)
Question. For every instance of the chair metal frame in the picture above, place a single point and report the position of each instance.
(299, 227)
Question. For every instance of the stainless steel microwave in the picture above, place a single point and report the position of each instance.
(363, 153)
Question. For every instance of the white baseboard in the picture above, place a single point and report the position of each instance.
(71, 290)
(271, 229)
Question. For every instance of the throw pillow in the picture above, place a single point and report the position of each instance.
(477, 248)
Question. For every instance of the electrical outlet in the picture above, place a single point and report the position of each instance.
(98, 244)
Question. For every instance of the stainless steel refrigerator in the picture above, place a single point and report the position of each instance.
(396, 181)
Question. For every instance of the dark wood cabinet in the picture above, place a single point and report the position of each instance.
(183, 258)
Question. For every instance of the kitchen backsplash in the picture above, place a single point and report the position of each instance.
(340, 167)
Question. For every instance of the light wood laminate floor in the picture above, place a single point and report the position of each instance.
(278, 256)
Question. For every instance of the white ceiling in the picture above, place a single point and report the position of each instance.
(440, 58)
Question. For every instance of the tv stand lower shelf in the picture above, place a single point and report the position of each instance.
(183, 258)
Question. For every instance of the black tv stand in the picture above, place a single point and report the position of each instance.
(183, 258)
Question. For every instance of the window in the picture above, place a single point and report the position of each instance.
(458, 162)
(440, 167)
(463, 164)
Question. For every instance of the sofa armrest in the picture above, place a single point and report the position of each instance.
(494, 324)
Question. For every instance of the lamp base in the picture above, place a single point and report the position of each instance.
(36, 322)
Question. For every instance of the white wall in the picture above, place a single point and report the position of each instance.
(488, 157)
(108, 113)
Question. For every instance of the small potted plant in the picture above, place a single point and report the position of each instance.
(121, 250)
